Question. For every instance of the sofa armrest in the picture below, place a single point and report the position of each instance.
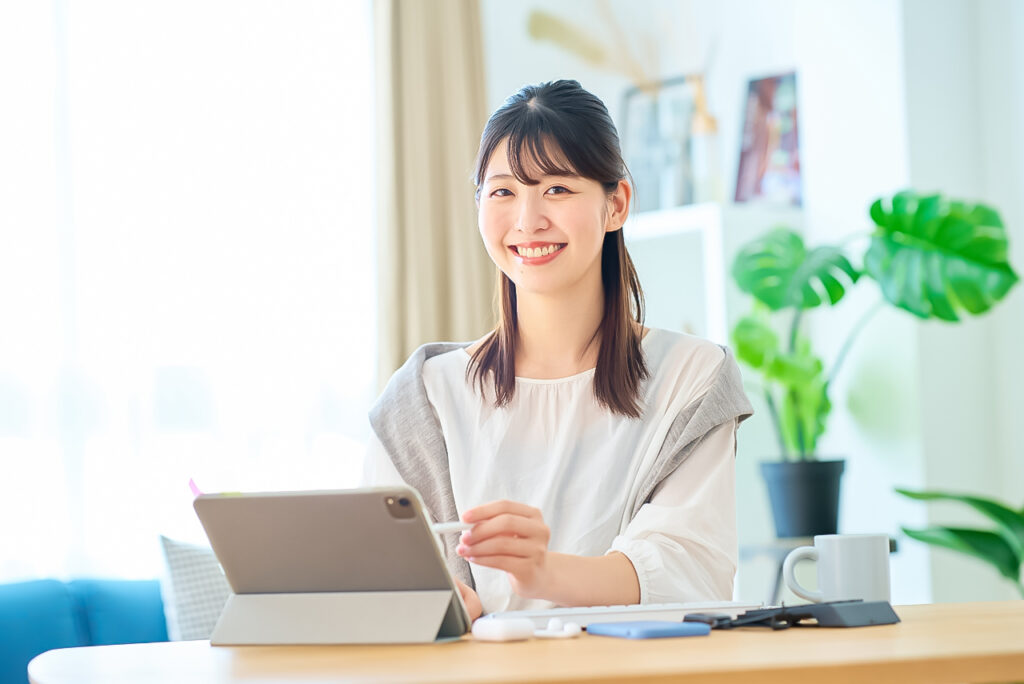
(120, 611)
(36, 616)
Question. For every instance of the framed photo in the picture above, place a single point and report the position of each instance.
(769, 167)
(655, 131)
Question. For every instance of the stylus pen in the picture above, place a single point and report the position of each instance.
(446, 527)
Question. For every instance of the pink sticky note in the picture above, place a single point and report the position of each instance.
(195, 489)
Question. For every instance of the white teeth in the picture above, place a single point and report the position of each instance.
(534, 252)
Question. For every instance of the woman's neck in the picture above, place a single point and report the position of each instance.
(558, 336)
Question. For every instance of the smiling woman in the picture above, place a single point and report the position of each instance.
(177, 267)
(593, 456)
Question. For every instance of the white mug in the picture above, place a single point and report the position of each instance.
(850, 566)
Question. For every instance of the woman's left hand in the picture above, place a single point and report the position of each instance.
(509, 536)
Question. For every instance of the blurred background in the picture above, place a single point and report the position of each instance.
(223, 224)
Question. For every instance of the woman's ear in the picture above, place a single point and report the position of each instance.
(618, 206)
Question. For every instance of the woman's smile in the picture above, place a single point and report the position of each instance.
(536, 253)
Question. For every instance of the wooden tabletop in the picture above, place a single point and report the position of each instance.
(953, 642)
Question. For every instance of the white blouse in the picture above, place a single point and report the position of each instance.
(556, 449)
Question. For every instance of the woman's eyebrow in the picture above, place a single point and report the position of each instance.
(567, 174)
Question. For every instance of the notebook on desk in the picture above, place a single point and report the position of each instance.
(649, 611)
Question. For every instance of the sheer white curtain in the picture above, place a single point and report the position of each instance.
(186, 266)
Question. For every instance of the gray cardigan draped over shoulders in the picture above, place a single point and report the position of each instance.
(405, 423)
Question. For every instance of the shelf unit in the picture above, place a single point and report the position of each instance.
(679, 250)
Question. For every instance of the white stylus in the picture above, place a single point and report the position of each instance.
(446, 527)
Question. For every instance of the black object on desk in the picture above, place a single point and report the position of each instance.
(831, 614)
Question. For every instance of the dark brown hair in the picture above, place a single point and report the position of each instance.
(547, 127)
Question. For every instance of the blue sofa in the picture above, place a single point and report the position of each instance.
(41, 615)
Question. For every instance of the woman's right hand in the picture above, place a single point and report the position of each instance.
(470, 598)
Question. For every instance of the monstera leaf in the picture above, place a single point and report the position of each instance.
(1003, 548)
(778, 270)
(755, 341)
(935, 257)
(805, 405)
(800, 375)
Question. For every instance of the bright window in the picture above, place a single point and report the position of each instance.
(186, 267)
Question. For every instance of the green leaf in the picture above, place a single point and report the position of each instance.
(935, 258)
(1010, 522)
(987, 546)
(778, 270)
(805, 405)
(755, 341)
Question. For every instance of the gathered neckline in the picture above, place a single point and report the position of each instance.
(566, 379)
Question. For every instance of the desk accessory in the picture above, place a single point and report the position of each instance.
(835, 614)
(520, 629)
(448, 527)
(584, 615)
(850, 566)
(502, 630)
(648, 629)
(330, 567)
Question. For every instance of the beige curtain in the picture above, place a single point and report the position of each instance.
(435, 279)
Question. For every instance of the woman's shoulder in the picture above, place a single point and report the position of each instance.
(670, 346)
(688, 362)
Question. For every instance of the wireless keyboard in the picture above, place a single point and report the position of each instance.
(649, 611)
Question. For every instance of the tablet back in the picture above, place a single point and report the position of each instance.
(323, 541)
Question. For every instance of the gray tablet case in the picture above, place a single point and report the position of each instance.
(346, 566)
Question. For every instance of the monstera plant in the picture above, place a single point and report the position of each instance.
(1002, 547)
(931, 256)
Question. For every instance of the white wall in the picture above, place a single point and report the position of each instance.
(866, 71)
(964, 90)
(1000, 44)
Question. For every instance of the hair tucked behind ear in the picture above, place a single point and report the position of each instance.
(548, 126)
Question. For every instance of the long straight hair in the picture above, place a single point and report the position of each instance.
(559, 128)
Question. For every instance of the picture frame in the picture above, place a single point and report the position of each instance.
(656, 141)
(769, 163)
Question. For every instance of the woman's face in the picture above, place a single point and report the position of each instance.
(546, 238)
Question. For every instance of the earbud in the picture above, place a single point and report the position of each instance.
(557, 629)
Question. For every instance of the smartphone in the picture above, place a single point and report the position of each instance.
(649, 629)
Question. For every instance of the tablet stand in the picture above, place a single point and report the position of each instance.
(388, 617)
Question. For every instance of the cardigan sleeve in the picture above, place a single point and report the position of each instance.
(682, 543)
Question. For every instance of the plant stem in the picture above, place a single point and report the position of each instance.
(794, 329)
(801, 440)
(854, 333)
(777, 423)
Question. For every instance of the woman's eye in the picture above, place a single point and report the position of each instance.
(557, 190)
(501, 192)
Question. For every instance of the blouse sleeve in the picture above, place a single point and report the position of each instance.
(378, 470)
(682, 543)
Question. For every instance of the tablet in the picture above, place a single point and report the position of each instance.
(355, 540)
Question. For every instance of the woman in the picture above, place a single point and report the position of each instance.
(594, 456)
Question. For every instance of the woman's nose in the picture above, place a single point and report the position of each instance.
(531, 216)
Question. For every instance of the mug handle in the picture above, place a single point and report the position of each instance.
(795, 556)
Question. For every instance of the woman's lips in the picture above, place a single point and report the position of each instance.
(536, 260)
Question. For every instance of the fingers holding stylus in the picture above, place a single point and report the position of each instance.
(508, 536)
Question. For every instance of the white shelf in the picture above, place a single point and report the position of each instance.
(691, 217)
(717, 230)
(705, 222)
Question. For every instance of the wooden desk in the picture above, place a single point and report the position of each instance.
(980, 642)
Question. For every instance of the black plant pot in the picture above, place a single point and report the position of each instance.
(804, 496)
